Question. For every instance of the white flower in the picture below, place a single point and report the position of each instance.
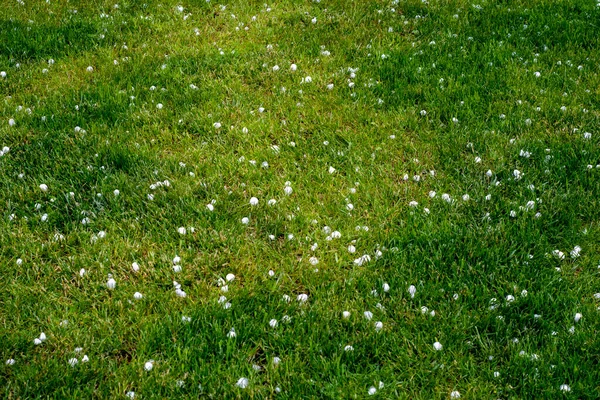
(423, 113)
(378, 325)
(11, 122)
(437, 346)
(90, 69)
(330, 86)
(372, 390)
(210, 207)
(432, 194)
(466, 197)
(37, 341)
(446, 197)
(313, 260)
(346, 314)
(348, 348)
(412, 290)
(308, 79)
(288, 190)
(245, 220)
(242, 383)
(137, 295)
(231, 334)
(82, 272)
(10, 361)
(44, 187)
(386, 287)
(477, 160)
(496, 374)
(351, 249)
(275, 68)
(565, 388)
(273, 323)
(159, 106)
(510, 298)
(130, 394)
(253, 201)
(413, 204)
(135, 267)
(368, 315)
(229, 277)
(42, 336)
(314, 20)
(149, 365)
(217, 125)
(73, 362)
(577, 317)
(455, 394)
(587, 135)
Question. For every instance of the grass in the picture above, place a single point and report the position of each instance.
(457, 152)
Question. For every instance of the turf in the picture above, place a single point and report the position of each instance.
(433, 168)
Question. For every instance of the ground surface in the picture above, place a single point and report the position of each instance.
(434, 173)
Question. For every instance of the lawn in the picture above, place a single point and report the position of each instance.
(300, 199)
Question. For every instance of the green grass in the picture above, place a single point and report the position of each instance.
(441, 93)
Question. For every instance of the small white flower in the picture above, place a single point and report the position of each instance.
(44, 187)
(231, 334)
(10, 361)
(455, 394)
(288, 190)
(37, 341)
(423, 113)
(273, 323)
(348, 348)
(135, 267)
(378, 325)
(90, 69)
(437, 346)
(253, 201)
(217, 125)
(130, 394)
(293, 67)
(351, 249)
(137, 295)
(413, 204)
(245, 220)
(229, 277)
(330, 86)
(149, 365)
(346, 314)
(372, 390)
(368, 315)
(477, 160)
(210, 207)
(242, 383)
(159, 106)
(386, 287)
(565, 388)
(73, 362)
(313, 260)
(577, 317)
